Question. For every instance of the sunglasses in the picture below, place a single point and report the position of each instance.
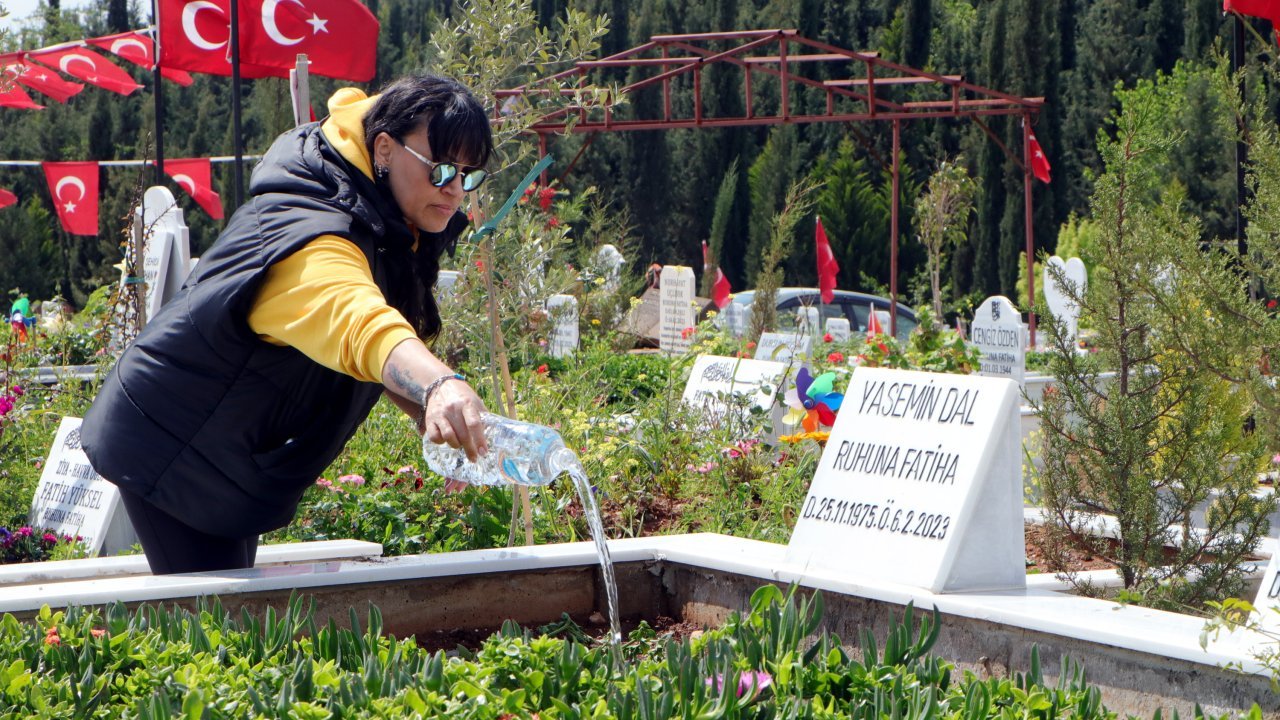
(443, 173)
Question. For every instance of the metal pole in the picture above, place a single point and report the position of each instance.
(1030, 233)
(893, 233)
(158, 97)
(238, 140)
(1242, 150)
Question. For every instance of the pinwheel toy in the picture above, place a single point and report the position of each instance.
(813, 400)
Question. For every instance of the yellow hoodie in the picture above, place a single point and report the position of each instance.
(322, 299)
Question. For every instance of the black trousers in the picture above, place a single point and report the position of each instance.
(172, 546)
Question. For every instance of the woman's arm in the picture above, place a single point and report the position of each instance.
(451, 414)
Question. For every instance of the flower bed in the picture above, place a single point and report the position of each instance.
(159, 663)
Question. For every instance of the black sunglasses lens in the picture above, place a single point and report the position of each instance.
(473, 179)
(443, 174)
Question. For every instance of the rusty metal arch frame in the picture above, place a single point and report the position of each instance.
(687, 55)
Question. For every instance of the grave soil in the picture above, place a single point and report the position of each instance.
(595, 627)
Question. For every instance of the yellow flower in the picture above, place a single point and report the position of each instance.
(595, 321)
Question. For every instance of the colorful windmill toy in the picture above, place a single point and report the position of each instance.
(813, 400)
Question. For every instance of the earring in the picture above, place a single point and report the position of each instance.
(381, 171)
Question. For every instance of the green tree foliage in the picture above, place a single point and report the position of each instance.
(1070, 52)
(942, 219)
(1166, 435)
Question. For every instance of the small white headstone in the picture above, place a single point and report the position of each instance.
(808, 320)
(167, 260)
(610, 260)
(838, 329)
(735, 317)
(783, 346)
(156, 263)
(1057, 296)
(563, 310)
(1001, 337)
(72, 499)
(676, 311)
(920, 484)
(714, 378)
(1267, 603)
(445, 282)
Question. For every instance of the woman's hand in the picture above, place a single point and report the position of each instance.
(447, 411)
(452, 416)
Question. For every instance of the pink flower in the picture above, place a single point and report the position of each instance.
(50, 538)
(704, 468)
(24, 531)
(19, 392)
(97, 632)
(757, 679)
(351, 479)
(407, 470)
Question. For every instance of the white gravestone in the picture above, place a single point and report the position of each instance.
(838, 329)
(167, 258)
(676, 311)
(808, 320)
(734, 318)
(1267, 603)
(1058, 297)
(1000, 335)
(563, 310)
(715, 378)
(920, 484)
(610, 261)
(783, 346)
(73, 499)
(445, 282)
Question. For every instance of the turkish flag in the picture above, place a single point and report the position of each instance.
(827, 266)
(137, 48)
(873, 323)
(87, 65)
(43, 80)
(1265, 9)
(7, 198)
(720, 291)
(339, 37)
(16, 97)
(74, 187)
(195, 175)
(1039, 163)
(195, 35)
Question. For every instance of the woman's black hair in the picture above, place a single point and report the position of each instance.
(458, 131)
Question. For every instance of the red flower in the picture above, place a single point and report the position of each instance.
(553, 221)
(51, 636)
(98, 632)
(480, 265)
(542, 369)
(1271, 304)
(827, 338)
(751, 346)
(529, 190)
(686, 333)
(545, 196)
(882, 347)
(835, 357)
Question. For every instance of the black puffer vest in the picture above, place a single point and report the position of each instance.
(202, 418)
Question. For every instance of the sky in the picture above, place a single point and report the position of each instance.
(22, 9)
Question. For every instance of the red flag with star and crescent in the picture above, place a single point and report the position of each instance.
(195, 35)
(16, 97)
(827, 265)
(339, 37)
(84, 64)
(74, 187)
(1265, 9)
(45, 81)
(195, 175)
(1039, 163)
(138, 49)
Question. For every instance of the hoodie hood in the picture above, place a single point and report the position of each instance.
(344, 128)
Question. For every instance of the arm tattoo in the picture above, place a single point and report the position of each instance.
(401, 377)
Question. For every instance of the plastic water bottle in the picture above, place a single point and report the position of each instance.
(520, 453)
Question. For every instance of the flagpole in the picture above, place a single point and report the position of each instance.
(158, 96)
(237, 141)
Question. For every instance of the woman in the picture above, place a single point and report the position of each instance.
(316, 297)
